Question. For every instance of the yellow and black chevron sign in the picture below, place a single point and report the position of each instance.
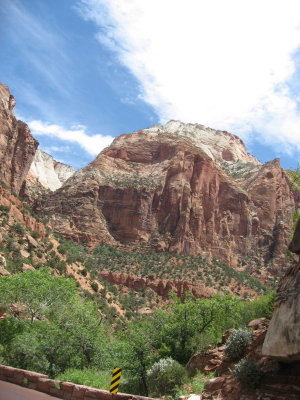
(115, 380)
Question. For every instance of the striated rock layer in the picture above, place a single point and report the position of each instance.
(159, 286)
(17, 146)
(180, 188)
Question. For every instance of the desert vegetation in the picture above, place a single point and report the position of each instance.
(51, 328)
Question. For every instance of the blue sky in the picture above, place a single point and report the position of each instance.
(84, 71)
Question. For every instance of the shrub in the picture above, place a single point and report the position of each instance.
(35, 234)
(248, 373)
(94, 286)
(164, 376)
(4, 209)
(237, 343)
(61, 266)
(17, 228)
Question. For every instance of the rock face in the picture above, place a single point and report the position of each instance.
(280, 381)
(283, 337)
(17, 213)
(45, 174)
(48, 172)
(160, 287)
(181, 188)
(17, 146)
(295, 243)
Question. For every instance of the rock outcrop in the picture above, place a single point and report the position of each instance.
(279, 381)
(159, 286)
(51, 174)
(17, 213)
(17, 146)
(179, 188)
(283, 337)
(45, 175)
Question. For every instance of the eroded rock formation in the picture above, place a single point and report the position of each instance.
(283, 337)
(17, 146)
(159, 286)
(180, 188)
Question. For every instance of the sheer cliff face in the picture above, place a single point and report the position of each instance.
(17, 146)
(177, 189)
(50, 173)
(45, 175)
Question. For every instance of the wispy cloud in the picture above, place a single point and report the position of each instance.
(39, 43)
(57, 149)
(77, 134)
(227, 64)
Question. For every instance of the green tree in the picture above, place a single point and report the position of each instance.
(81, 322)
(51, 328)
(295, 178)
(37, 293)
(134, 351)
(183, 320)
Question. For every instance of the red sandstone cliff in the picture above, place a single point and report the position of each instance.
(17, 146)
(160, 287)
(181, 188)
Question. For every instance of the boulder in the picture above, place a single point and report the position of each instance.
(283, 337)
(258, 323)
(32, 241)
(27, 267)
(3, 271)
(214, 384)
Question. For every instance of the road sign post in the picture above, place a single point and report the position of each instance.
(115, 380)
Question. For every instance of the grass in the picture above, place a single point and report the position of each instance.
(195, 385)
(87, 376)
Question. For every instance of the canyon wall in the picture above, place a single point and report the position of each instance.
(179, 188)
(17, 146)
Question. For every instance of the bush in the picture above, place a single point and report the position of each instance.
(35, 234)
(237, 343)
(17, 228)
(94, 286)
(164, 376)
(248, 373)
(4, 209)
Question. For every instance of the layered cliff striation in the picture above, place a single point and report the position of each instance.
(17, 145)
(181, 188)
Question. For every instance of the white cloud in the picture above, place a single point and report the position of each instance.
(57, 149)
(77, 134)
(225, 64)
